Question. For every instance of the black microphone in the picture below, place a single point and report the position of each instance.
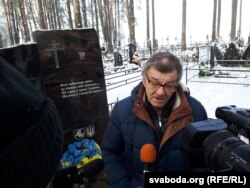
(91, 168)
(66, 177)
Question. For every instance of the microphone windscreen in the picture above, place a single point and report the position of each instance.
(91, 168)
(148, 153)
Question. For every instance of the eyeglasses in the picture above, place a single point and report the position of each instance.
(156, 85)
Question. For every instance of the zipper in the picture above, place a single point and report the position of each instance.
(159, 120)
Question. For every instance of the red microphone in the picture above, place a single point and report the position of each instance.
(147, 155)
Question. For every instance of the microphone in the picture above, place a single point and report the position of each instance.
(147, 155)
(67, 177)
(91, 168)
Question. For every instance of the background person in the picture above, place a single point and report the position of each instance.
(31, 136)
(155, 113)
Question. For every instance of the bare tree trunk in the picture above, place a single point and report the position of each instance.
(32, 13)
(85, 19)
(103, 7)
(57, 14)
(110, 25)
(14, 20)
(8, 21)
(214, 21)
(41, 14)
(77, 14)
(96, 18)
(100, 9)
(233, 20)
(24, 21)
(92, 14)
(153, 24)
(118, 24)
(239, 31)
(218, 19)
(16, 23)
(148, 26)
(69, 14)
(115, 25)
(183, 33)
(46, 14)
(53, 15)
(49, 15)
(131, 19)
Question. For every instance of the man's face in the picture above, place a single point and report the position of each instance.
(159, 87)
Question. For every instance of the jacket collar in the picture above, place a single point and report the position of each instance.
(180, 117)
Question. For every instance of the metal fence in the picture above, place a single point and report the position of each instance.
(219, 75)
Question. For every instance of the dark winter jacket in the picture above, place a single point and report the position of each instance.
(131, 127)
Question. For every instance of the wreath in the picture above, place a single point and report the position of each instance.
(80, 153)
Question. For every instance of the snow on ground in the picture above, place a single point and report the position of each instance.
(213, 95)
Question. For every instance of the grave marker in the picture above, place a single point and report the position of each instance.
(73, 74)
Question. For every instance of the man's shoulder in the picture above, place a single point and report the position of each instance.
(127, 101)
(194, 101)
(198, 110)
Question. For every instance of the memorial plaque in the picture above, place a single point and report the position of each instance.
(73, 75)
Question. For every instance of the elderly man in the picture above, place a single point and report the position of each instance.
(155, 113)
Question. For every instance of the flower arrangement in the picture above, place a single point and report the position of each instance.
(80, 153)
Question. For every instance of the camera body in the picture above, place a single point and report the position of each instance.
(237, 119)
(219, 144)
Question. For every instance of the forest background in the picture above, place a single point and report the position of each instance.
(146, 22)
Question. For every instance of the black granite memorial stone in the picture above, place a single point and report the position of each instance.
(72, 67)
(118, 59)
(132, 50)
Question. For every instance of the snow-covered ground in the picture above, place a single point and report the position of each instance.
(211, 95)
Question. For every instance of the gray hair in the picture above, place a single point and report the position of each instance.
(164, 62)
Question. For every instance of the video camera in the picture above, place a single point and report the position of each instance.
(221, 145)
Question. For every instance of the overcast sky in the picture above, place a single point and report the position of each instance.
(199, 19)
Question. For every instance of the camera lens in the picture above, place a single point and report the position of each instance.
(224, 151)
